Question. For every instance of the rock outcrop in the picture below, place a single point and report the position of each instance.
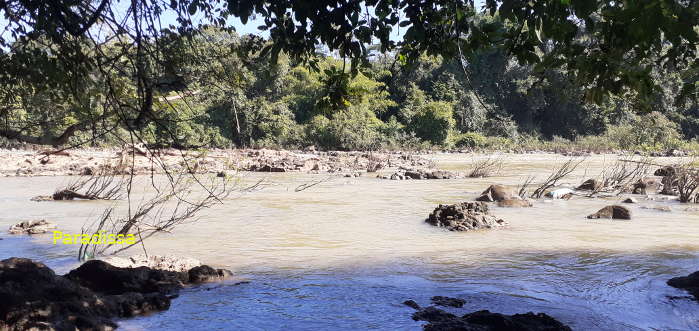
(484, 320)
(465, 216)
(87, 298)
(160, 262)
(496, 193)
(32, 227)
(613, 212)
(688, 283)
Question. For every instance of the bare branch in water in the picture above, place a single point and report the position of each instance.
(486, 167)
(556, 175)
(105, 185)
(621, 176)
(160, 214)
(522, 189)
(313, 183)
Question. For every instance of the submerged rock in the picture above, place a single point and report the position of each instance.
(514, 203)
(630, 200)
(32, 227)
(484, 320)
(688, 283)
(496, 193)
(448, 302)
(613, 212)
(561, 193)
(666, 209)
(465, 216)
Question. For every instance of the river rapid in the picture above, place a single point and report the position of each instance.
(345, 254)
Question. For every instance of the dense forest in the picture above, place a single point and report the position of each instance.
(211, 87)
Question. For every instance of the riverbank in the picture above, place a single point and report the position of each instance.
(36, 161)
(141, 161)
(346, 253)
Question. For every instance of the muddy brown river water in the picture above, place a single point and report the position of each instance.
(346, 253)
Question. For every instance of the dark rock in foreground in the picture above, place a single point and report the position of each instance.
(464, 216)
(33, 296)
(688, 283)
(484, 320)
(613, 212)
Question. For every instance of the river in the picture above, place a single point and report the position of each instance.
(346, 253)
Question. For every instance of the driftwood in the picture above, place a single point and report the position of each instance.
(102, 186)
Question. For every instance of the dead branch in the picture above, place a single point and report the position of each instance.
(523, 188)
(305, 186)
(154, 216)
(486, 167)
(622, 176)
(556, 175)
(102, 186)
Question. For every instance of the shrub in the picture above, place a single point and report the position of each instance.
(470, 140)
(356, 128)
(433, 121)
(650, 132)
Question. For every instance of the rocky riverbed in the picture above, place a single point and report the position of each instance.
(139, 160)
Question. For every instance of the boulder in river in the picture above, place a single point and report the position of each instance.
(630, 200)
(590, 185)
(613, 212)
(646, 186)
(689, 283)
(484, 320)
(32, 227)
(665, 171)
(465, 216)
(496, 193)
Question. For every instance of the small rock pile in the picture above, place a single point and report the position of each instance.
(403, 174)
(484, 320)
(32, 227)
(465, 216)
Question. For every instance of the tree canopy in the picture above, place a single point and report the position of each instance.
(111, 64)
